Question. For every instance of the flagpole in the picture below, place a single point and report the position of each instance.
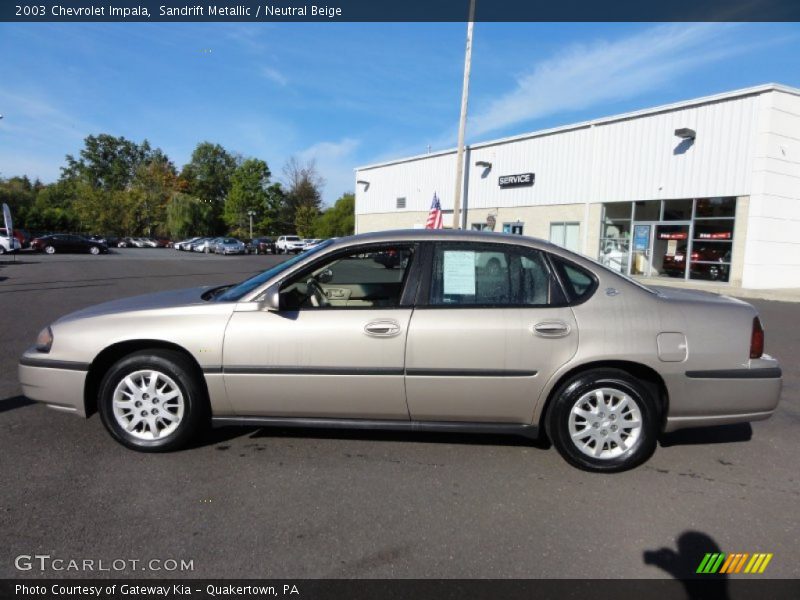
(462, 125)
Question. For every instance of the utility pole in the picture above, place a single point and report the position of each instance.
(462, 125)
(250, 213)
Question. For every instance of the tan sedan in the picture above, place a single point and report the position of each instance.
(421, 331)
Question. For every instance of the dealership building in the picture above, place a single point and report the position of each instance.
(702, 190)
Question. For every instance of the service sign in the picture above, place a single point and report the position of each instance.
(507, 181)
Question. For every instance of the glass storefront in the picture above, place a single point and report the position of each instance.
(683, 238)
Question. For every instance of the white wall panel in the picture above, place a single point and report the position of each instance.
(636, 158)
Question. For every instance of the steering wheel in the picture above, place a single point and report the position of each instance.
(318, 297)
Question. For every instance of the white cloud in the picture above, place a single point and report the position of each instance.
(588, 74)
(274, 75)
(335, 162)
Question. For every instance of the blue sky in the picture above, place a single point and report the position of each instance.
(351, 94)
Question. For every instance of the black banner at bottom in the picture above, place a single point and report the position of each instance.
(711, 587)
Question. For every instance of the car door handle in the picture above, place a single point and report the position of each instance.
(382, 328)
(551, 329)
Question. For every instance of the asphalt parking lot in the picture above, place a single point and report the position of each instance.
(278, 503)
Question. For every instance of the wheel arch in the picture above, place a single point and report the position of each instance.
(644, 373)
(111, 354)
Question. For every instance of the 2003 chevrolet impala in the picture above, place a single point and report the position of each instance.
(461, 331)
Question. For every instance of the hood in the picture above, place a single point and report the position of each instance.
(681, 294)
(158, 300)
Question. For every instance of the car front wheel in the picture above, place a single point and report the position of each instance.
(94, 250)
(151, 401)
(604, 420)
(50, 249)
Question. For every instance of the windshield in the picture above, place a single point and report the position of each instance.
(248, 285)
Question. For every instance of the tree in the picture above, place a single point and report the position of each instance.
(304, 185)
(187, 216)
(248, 193)
(107, 162)
(153, 185)
(304, 220)
(338, 220)
(208, 176)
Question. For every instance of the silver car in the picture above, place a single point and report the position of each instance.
(229, 246)
(472, 331)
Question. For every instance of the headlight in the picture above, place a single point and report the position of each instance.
(44, 340)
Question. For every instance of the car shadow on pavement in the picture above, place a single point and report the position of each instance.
(14, 402)
(720, 434)
(683, 565)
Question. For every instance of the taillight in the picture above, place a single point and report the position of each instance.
(757, 339)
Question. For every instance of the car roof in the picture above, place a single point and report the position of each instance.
(443, 235)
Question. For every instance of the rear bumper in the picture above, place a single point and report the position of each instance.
(723, 397)
(59, 385)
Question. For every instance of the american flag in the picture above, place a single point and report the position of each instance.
(435, 215)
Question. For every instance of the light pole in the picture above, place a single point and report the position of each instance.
(462, 124)
(250, 213)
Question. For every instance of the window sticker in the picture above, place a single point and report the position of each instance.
(459, 273)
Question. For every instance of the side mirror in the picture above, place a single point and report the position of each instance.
(272, 298)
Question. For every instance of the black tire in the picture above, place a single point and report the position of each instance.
(196, 416)
(558, 420)
(2, 250)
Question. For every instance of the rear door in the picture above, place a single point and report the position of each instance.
(491, 327)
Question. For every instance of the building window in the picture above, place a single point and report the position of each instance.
(515, 228)
(401, 203)
(479, 227)
(615, 235)
(712, 240)
(682, 238)
(566, 235)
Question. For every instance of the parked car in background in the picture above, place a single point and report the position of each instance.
(706, 263)
(204, 245)
(289, 243)
(310, 243)
(186, 244)
(9, 244)
(22, 236)
(163, 243)
(555, 344)
(263, 245)
(65, 242)
(125, 242)
(229, 246)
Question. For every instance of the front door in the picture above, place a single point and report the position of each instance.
(642, 249)
(335, 349)
(485, 341)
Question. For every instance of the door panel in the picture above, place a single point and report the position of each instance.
(484, 364)
(317, 363)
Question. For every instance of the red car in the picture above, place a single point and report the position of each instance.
(706, 263)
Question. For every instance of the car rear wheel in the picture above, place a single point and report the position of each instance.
(604, 420)
(151, 401)
(49, 249)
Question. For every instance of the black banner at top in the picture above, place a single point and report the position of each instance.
(397, 10)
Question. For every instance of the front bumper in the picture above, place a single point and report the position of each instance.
(723, 397)
(58, 384)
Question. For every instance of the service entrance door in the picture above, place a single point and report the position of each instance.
(642, 249)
